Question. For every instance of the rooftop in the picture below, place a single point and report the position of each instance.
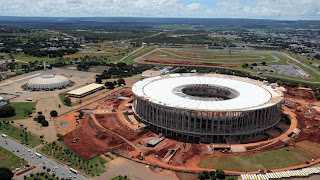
(85, 89)
(244, 94)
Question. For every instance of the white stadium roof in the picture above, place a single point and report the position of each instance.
(160, 90)
(48, 81)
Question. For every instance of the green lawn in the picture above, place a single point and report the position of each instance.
(42, 176)
(15, 133)
(22, 110)
(10, 160)
(60, 151)
(253, 162)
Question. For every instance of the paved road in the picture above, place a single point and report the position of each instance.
(299, 62)
(28, 154)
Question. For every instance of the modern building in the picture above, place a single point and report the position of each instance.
(206, 107)
(48, 83)
(86, 90)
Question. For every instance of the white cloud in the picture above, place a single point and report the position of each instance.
(277, 9)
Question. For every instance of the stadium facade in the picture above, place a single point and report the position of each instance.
(207, 107)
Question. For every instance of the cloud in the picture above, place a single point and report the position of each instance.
(275, 9)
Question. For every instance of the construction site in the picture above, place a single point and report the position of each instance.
(109, 125)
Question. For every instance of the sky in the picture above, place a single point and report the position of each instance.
(252, 9)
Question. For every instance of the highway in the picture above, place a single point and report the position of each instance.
(28, 154)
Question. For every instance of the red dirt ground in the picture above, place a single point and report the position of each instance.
(106, 131)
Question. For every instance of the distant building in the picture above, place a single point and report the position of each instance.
(86, 90)
(3, 101)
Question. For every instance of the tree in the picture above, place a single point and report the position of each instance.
(201, 176)
(263, 63)
(41, 118)
(53, 113)
(45, 123)
(109, 85)
(59, 136)
(121, 82)
(67, 101)
(254, 64)
(220, 174)
(96, 164)
(5, 173)
(7, 111)
(245, 65)
(98, 80)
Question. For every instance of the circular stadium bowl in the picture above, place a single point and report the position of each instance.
(48, 83)
(206, 107)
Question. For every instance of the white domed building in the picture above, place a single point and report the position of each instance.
(48, 83)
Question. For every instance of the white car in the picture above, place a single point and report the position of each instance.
(28, 150)
(32, 156)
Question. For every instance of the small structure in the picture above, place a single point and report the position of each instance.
(3, 101)
(153, 142)
(86, 90)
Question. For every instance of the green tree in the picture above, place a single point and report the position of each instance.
(67, 101)
(7, 111)
(98, 80)
(41, 118)
(109, 85)
(121, 82)
(45, 123)
(220, 174)
(53, 113)
(5, 173)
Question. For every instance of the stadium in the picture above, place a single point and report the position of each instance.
(47, 83)
(207, 107)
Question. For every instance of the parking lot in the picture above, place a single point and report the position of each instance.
(30, 155)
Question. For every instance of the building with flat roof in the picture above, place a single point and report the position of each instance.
(86, 90)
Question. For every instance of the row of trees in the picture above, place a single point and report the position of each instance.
(219, 174)
(111, 85)
(122, 70)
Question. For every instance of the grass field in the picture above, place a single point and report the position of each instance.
(15, 133)
(23, 110)
(267, 160)
(60, 151)
(310, 148)
(233, 60)
(10, 160)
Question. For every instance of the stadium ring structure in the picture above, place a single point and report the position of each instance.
(48, 83)
(206, 107)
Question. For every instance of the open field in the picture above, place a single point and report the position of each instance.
(10, 160)
(16, 133)
(23, 109)
(267, 160)
(235, 60)
(60, 151)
